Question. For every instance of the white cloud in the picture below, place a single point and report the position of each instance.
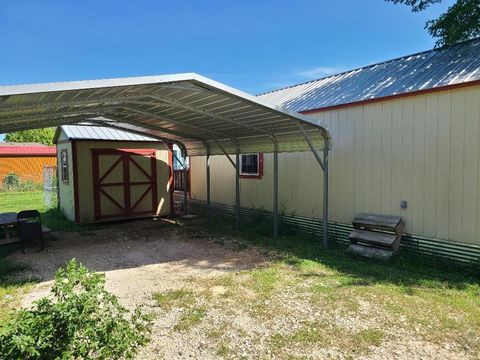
(321, 71)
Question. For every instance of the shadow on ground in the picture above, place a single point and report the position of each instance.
(134, 244)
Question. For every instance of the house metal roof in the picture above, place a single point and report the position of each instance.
(9, 149)
(431, 69)
(185, 108)
(94, 132)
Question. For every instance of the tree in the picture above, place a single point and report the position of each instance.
(460, 22)
(42, 136)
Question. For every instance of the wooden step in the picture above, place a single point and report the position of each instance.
(374, 221)
(374, 238)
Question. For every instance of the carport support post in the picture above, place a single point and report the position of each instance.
(237, 188)
(209, 210)
(275, 191)
(185, 182)
(325, 194)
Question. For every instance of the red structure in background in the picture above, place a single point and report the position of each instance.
(26, 160)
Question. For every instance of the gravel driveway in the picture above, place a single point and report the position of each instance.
(215, 298)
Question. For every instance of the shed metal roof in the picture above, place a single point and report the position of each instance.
(94, 132)
(431, 69)
(188, 108)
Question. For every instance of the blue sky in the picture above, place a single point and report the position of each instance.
(253, 45)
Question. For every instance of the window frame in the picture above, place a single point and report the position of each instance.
(259, 174)
(64, 165)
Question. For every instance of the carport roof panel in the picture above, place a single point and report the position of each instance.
(187, 108)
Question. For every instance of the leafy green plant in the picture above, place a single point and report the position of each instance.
(11, 182)
(80, 320)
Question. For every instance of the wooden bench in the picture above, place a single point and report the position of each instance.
(376, 236)
(16, 239)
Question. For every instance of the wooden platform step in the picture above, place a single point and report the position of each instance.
(374, 238)
(374, 221)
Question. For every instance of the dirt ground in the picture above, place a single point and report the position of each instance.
(198, 317)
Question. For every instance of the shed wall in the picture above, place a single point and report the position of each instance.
(85, 178)
(423, 149)
(65, 189)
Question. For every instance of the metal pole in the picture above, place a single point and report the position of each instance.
(275, 191)
(185, 181)
(312, 147)
(325, 194)
(237, 188)
(209, 210)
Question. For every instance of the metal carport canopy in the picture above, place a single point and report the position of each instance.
(201, 115)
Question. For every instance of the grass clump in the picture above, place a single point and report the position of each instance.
(264, 280)
(223, 350)
(186, 300)
(191, 317)
(181, 298)
(79, 320)
(371, 336)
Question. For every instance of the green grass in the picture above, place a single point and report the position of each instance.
(16, 201)
(192, 313)
(180, 298)
(190, 318)
(433, 301)
(34, 200)
(371, 336)
(223, 350)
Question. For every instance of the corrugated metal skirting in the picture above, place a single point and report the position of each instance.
(459, 253)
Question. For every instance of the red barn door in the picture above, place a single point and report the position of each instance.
(124, 183)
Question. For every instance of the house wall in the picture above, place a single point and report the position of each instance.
(423, 149)
(66, 198)
(85, 174)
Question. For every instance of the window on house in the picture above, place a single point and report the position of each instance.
(64, 165)
(251, 165)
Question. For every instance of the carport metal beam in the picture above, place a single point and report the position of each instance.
(236, 166)
(275, 190)
(209, 205)
(237, 188)
(214, 121)
(324, 165)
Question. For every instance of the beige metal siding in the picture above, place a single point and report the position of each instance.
(423, 149)
(85, 171)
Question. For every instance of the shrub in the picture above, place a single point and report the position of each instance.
(80, 320)
(11, 182)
